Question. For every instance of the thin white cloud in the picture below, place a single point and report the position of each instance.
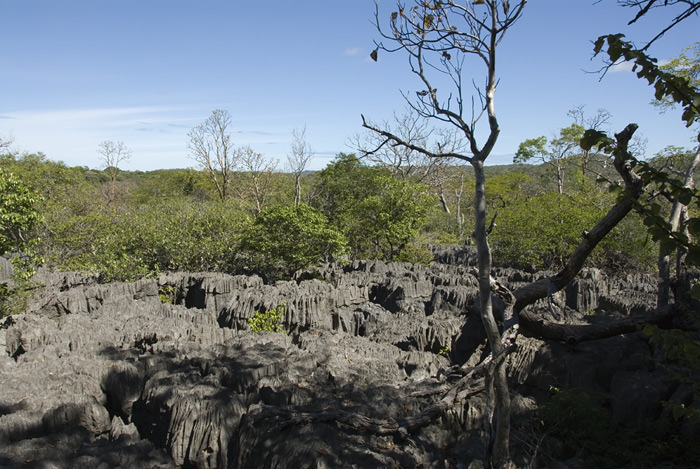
(622, 67)
(88, 114)
(72, 134)
(627, 66)
(352, 51)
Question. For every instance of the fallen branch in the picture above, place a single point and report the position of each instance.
(574, 333)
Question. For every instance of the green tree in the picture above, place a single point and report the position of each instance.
(387, 221)
(340, 186)
(18, 218)
(379, 214)
(284, 239)
(686, 65)
(555, 153)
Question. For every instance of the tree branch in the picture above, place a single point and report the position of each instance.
(530, 293)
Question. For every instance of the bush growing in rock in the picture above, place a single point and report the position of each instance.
(268, 321)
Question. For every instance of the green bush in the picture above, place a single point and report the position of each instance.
(586, 430)
(542, 231)
(15, 296)
(268, 321)
(380, 215)
(284, 239)
(19, 215)
(170, 235)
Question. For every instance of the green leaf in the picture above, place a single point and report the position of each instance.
(678, 411)
(694, 226)
(693, 256)
(649, 330)
(685, 196)
(667, 246)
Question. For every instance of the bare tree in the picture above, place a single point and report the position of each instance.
(210, 146)
(406, 163)
(444, 37)
(256, 178)
(6, 142)
(298, 158)
(598, 121)
(112, 154)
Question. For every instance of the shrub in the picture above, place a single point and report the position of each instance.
(284, 239)
(586, 430)
(267, 321)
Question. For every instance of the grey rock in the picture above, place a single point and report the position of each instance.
(637, 395)
(120, 380)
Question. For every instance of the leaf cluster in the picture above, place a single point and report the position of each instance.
(19, 215)
(667, 86)
(379, 214)
(284, 239)
(268, 321)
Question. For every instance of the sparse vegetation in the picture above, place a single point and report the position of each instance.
(268, 321)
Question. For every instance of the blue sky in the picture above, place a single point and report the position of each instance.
(74, 73)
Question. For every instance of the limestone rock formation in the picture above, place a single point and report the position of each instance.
(165, 372)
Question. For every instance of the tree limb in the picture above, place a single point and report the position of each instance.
(544, 287)
(574, 333)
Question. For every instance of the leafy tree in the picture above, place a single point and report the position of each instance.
(380, 215)
(686, 65)
(559, 152)
(284, 239)
(388, 220)
(18, 218)
(340, 185)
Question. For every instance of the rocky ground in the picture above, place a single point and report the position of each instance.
(165, 372)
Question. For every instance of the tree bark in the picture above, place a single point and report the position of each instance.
(574, 333)
(664, 262)
(500, 453)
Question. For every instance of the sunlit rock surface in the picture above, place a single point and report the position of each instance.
(107, 375)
